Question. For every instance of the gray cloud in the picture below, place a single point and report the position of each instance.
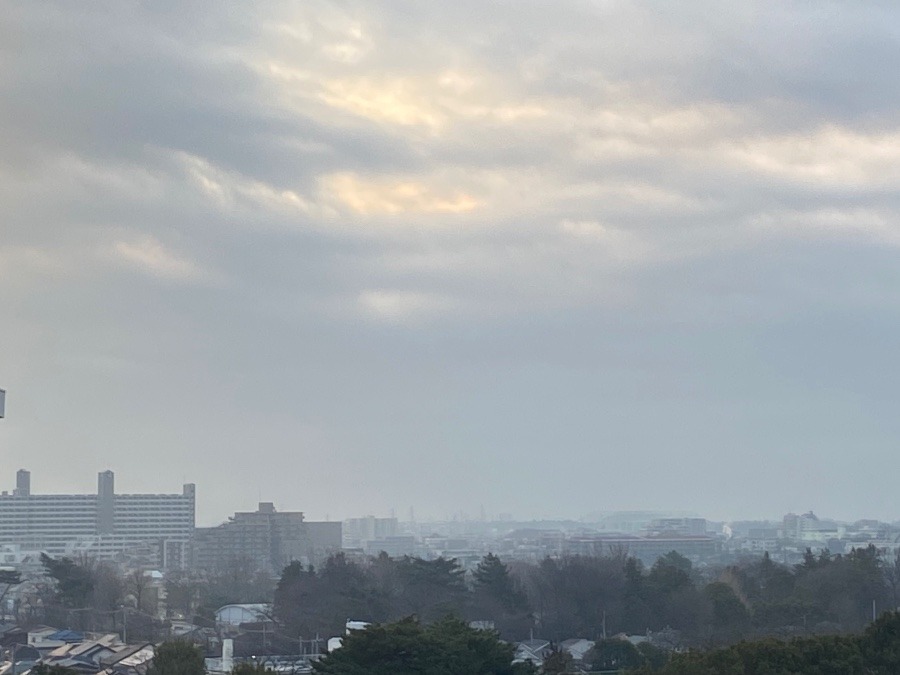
(324, 252)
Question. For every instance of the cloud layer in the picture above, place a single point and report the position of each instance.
(355, 256)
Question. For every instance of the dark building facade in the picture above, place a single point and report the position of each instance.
(268, 539)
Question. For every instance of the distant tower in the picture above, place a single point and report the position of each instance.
(23, 483)
(106, 502)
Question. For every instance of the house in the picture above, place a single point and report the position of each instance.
(534, 651)
(107, 655)
(130, 660)
(20, 658)
(12, 634)
(84, 655)
(577, 648)
(39, 638)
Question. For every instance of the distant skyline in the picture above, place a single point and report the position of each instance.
(548, 258)
(460, 515)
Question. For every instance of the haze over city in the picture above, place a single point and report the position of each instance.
(546, 259)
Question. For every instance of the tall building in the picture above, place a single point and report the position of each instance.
(267, 539)
(102, 525)
(359, 531)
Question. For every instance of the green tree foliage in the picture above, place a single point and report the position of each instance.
(653, 657)
(236, 580)
(670, 589)
(310, 601)
(637, 614)
(177, 657)
(296, 603)
(183, 595)
(85, 584)
(557, 662)
(498, 596)
(892, 579)
(407, 647)
(728, 619)
(824, 593)
(876, 651)
(74, 583)
(492, 579)
(8, 580)
(615, 654)
(576, 596)
(431, 588)
(597, 596)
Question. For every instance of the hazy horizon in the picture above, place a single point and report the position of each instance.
(545, 258)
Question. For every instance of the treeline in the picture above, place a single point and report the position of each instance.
(382, 589)
(593, 597)
(90, 595)
(874, 652)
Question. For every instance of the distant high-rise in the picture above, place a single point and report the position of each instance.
(23, 483)
(101, 525)
(358, 531)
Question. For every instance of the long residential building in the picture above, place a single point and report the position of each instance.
(102, 525)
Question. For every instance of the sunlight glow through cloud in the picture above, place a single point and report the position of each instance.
(638, 235)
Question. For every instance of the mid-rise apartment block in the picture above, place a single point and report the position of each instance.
(266, 539)
(103, 525)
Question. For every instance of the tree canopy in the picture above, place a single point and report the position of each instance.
(177, 657)
(407, 647)
(876, 651)
(594, 597)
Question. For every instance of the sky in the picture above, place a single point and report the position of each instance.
(541, 258)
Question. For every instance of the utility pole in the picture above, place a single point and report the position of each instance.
(124, 624)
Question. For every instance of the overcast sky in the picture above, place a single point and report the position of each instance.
(548, 258)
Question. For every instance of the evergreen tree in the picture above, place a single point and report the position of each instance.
(74, 583)
(446, 647)
(177, 657)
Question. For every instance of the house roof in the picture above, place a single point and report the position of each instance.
(535, 644)
(532, 650)
(577, 647)
(43, 629)
(66, 636)
(125, 653)
(258, 607)
(77, 664)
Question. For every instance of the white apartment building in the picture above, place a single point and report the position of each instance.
(102, 525)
